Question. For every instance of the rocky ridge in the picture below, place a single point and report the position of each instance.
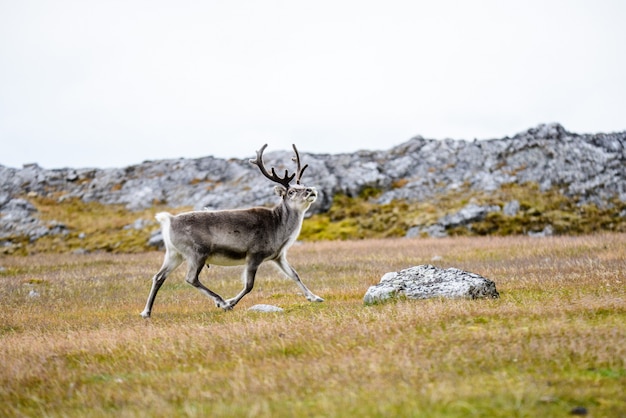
(590, 168)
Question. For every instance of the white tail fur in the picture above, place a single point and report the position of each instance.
(164, 219)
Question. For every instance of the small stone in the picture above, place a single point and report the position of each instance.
(265, 308)
(156, 239)
(579, 410)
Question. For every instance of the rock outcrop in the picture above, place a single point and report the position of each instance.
(426, 282)
(590, 168)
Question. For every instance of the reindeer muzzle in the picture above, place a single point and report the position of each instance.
(311, 195)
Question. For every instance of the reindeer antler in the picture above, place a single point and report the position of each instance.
(274, 177)
(297, 160)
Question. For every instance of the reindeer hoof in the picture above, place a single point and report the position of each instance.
(145, 315)
(224, 305)
(315, 299)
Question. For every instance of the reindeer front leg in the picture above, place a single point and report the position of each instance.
(290, 272)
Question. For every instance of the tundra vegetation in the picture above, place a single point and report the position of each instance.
(92, 226)
(72, 343)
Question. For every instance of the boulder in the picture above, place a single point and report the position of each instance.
(427, 281)
(511, 208)
(468, 214)
(156, 239)
(19, 217)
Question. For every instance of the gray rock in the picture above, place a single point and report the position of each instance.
(139, 224)
(18, 217)
(434, 231)
(547, 231)
(16, 208)
(590, 168)
(468, 214)
(265, 308)
(511, 208)
(414, 232)
(156, 239)
(427, 281)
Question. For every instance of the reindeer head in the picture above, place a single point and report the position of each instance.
(297, 196)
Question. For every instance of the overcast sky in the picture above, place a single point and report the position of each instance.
(113, 83)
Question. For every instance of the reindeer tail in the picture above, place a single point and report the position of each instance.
(164, 219)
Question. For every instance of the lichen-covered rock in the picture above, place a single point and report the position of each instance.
(426, 281)
(18, 217)
(589, 168)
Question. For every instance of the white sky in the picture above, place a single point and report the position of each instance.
(112, 83)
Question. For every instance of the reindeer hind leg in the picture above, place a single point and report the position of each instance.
(196, 265)
(248, 275)
(172, 260)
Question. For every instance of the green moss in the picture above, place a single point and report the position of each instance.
(370, 192)
(358, 217)
(93, 226)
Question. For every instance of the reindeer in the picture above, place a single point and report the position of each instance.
(236, 237)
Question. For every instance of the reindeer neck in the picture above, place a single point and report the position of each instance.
(290, 218)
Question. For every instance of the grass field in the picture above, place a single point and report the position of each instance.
(72, 343)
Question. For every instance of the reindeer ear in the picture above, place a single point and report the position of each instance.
(280, 190)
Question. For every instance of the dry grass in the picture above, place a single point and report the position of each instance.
(555, 340)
